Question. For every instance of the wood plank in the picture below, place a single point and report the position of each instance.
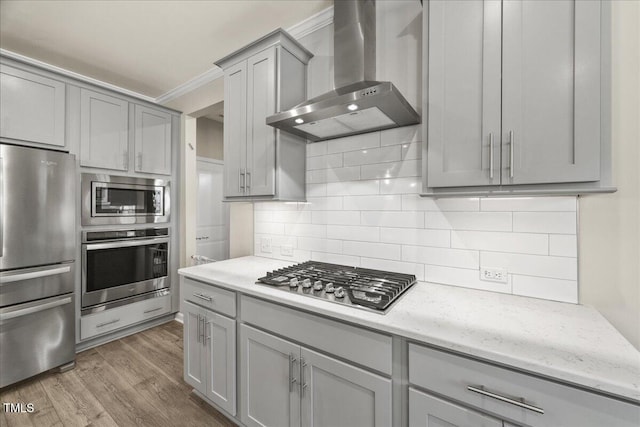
(126, 362)
(31, 391)
(75, 405)
(174, 327)
(10, 419)
(123, 403)
(167, 359)
(171, 341)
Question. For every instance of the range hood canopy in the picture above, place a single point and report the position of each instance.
(360, 104)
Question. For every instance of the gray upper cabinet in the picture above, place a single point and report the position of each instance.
(515, 97)
(261, 79)
(104, 131)
(32, 107)
(152, 140)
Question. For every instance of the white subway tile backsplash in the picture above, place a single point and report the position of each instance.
(393, 219)
(532, 265)
(387, 202)
(416, 237)
(352, 232)
(372, 250)
(397, 266)
(391, 169)
(521, 243)
(356, 142)
(530, 204)
(545, 222)
(325, 162)
(485, 221)
(463, 277)
(413, 202)
(441, 256)
(372, 155)
(563, 245)
(336, 217)
(363, 209)
(401, 135)
(553, 289)
(352, 188)
(400, 185)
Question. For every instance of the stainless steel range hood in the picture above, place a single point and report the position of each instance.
(359, 104)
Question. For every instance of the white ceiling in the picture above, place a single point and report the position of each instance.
(146, 46)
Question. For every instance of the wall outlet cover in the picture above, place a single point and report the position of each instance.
(494, 274)
(265, 245)
(286, 250)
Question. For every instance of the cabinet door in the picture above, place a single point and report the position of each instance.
(32, 107)
(337, 394)
(194, 350)
(221, 361)
(104, 130)
(464, 93)
(429, 411)
(269, 393)
(261, 103)
(152, 140)
(235, 129)
(551, 91)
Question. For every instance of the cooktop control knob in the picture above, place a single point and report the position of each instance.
(339, 292)
(317, 285)
(293, 283)
(329, 288)
(306, 283)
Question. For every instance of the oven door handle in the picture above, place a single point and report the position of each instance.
(11, 314)
(34, 274)
(124, 243)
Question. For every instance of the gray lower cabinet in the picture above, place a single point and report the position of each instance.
(32, 107)
(261, 79)
(104, 131)
(514, 93)
(284, 384)
(426, 410)
(210, 355)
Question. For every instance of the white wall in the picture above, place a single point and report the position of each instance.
(210, 139)
(610, 224)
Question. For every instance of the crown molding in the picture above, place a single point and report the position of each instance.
(297, 31)
(73, 75)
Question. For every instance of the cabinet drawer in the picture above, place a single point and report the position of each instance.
(205, 295)
(451, 376)
(125, 315)
(359, 345)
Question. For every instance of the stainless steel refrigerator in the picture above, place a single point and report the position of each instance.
(37, 261)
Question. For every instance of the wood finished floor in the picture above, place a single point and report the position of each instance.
(133, 381)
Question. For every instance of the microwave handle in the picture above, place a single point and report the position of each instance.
(123, 244)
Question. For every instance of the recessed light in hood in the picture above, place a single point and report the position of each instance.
(360, 104)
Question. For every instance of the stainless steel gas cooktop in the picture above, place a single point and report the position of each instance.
(375, 290)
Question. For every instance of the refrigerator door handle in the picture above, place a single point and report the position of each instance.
(34, 309)
(35, 274)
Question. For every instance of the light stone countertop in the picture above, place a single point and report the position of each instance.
(567, 342)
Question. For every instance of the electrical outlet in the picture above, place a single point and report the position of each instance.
(493, 275)
(286, 250)
(265, 245)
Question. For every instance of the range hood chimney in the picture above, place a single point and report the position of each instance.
(359, 104)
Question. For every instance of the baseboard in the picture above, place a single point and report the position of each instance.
(179, 317)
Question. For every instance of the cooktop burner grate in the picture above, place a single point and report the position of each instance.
(359, 287)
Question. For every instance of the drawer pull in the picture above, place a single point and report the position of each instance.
(110, 322)
(202, 296)
(152, 310)
(521, 403)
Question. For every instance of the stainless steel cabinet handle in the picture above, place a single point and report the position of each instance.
(198, 328)
(241, 182)
(490, 155)
(110, 322)
(248, 179)
(13, 313)
(512, 142)
(292, 378)
(204, 297)
(35, 274)
(303, 382)
(520, 403)
(204, 321)
(206, 327)
(152, 310)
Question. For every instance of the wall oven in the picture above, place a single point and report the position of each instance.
(109, 199)
(119, 265)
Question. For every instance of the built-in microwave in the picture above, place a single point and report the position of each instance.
(109, 199)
